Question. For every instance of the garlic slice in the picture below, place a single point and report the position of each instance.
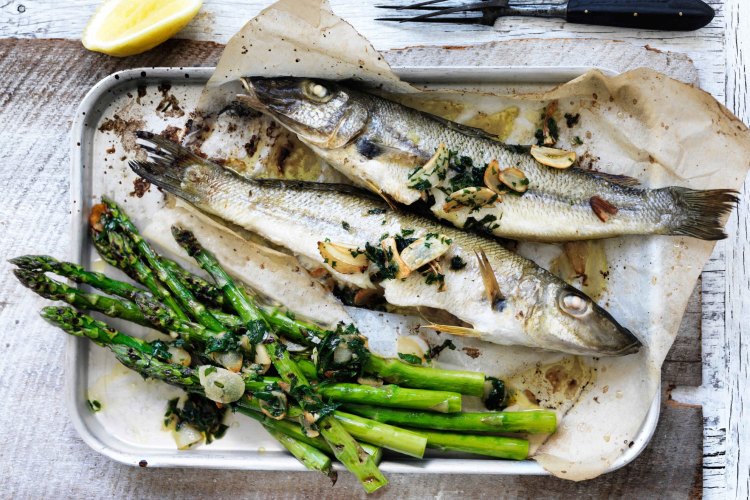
(231, 360)
(429, 174)
(179, 356)
(187, 436)
(515, 179)
(424, 250)
(389, 246)
(473, 197)
(492, 179)
(552, 157)
(345, 259)
(221, 385)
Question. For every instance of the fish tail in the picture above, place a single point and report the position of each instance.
(166, 163)
(702, 212)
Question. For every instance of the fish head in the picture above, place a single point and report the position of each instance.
(577, 324)
(318, 111)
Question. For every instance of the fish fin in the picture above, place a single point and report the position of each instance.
(622, 180)
(491, 287)
(166, 163)
(382, 194)
(460, 331)
(372, 148)
(440, 316)
(466, 129)
(703, 212)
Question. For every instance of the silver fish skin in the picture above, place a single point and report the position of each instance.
(538, 309)
(378, 143)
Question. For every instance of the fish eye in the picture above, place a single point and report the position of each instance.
(317, 92)
(574, 304)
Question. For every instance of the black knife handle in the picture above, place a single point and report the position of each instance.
(669, 15)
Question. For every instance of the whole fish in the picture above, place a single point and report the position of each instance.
(380, 143)
(527, 305)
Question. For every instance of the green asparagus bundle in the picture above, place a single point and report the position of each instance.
(231, 350)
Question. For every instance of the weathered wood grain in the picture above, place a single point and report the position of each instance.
(736, 373)
(36, 104)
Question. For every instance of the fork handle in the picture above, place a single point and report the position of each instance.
(669, 15)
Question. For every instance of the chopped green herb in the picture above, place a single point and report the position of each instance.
(447, 344)
(376, 211)
(407, 232)
(345, 225)
(577, 141)
(199, 412)
(94, 405)
(457, 263)
(484, 225)
(497, 399)
(410, 358)
(433, 277)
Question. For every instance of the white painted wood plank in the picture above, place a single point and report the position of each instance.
(737, 349)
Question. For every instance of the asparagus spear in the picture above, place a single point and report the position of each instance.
(394, 396)
(387, 436)
(491, 446)
(346, 449)
(117, 251)
(532, 422)
(311, 457)
(51, 289)
(76, 273)
(398, 372)
(185, 297)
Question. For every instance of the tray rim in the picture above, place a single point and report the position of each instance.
(226, 460)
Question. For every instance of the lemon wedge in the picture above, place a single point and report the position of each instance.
(128, 27)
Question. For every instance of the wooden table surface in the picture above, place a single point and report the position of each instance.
(700, 445)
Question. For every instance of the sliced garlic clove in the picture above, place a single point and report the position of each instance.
(179, 356)
(492, 178)
(429, 174)
(187, 436)
(221, 385)
(231, 360)
(391, 251)
(262, 359)
(424, 250)
(515, 179)
(472, 197)
(552, 157)
(342, 258)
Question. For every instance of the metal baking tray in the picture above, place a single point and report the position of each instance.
(128, 429)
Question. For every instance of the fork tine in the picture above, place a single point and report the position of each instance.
(412, 6)
(452, 20)
(471, 7)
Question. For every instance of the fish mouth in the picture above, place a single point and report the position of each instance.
(625, 341)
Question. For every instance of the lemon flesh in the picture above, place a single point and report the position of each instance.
(129, 27)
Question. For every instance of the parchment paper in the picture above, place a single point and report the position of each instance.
(640, 123)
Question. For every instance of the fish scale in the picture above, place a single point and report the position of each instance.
(536, 310)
